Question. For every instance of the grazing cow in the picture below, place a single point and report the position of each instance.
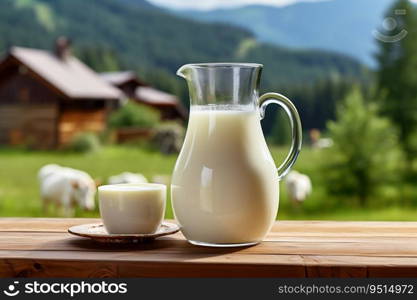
(298, 187)
(66, 188)
(127, 177)
(323, 143)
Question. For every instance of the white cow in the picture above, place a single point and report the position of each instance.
(298, 187)
(66, 188)
(324, 143)
(127, 177)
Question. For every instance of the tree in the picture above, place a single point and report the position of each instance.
(99, 58)
(281, 131)
(134, 115)
(397, 75)
(365, 153)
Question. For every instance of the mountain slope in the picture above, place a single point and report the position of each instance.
(148, 38)
(344, 26)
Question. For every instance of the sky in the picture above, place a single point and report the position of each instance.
(212, 4)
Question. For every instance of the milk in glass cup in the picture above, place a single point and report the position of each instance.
(132, 208)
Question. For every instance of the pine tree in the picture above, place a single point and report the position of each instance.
(397, 74)
(99, 58)
(365, 153)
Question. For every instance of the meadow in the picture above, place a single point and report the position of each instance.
(19, 189)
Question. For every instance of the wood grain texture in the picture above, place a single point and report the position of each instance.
(73, 121)
(43, 248)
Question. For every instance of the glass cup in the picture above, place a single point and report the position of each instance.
(132, 208)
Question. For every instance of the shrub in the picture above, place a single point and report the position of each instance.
(365, 154)
(85, 142)
(168, 137)
(134, 115)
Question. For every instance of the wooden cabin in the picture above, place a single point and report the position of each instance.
(168, 105)
(47, 98)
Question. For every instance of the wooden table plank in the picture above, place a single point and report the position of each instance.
(42, 248)
(282, 228)
(92, 264)
(56, 241)
(41, 224)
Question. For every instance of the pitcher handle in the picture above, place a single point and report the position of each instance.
(296, 129)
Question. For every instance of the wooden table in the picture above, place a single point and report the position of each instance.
(43, 248)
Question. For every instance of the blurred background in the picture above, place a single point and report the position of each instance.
(91, 85)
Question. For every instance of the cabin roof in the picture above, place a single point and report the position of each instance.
(69, 75)
(119, 78)
(143, 92)
(155, 97)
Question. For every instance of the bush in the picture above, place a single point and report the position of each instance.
(168, 137)
(85, 142)
(365, 154)
(134, 115)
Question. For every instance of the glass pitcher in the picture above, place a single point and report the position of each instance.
(224, 188)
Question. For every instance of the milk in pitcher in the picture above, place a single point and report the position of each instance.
(224, 187)
(225, 183)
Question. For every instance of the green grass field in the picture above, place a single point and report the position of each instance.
(19, 190)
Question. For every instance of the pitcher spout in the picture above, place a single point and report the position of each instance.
(183, 71)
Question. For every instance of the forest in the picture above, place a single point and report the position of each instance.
(114, 35)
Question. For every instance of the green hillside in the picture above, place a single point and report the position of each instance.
(135, 35)
(147, 38)
(344, 26)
